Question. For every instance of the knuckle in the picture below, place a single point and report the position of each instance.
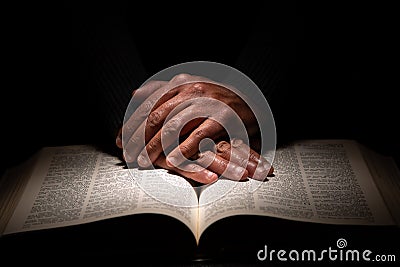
(194, 168)
(243, 163)
(134, 140)
(126, 128)
(172, 126)
(154, 119)
(151, 83)
(236, 142)
(201, 156)
(223, 147)
(200, 134)
(183, 77)
(151, 147)
(207, 155)
(204, 154)
(198, 89)
(185, 149)
(147, 106)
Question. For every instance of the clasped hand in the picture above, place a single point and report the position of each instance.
(180, 125)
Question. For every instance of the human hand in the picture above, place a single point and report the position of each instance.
(167, 111)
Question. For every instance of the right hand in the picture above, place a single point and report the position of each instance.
(180, 89)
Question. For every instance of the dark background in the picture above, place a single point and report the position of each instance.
(335, 64)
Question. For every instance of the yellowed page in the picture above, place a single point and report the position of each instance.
(80, 184)
(323, 181)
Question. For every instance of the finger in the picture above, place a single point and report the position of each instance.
(134, 145)
(221, 166)
(171, 107)
(225, 150)
(147, 89)
(150, 88)
(184, 78)
(155, 146)
(254, 156)
(141, 94)
(161, 92)
(118, 140)
(189, 147)
(183, 121)
(141, 113)
(180, 83)
(132, 130)
(180, 124)
(164, 108)
(184, 99)
(191, 171)
(239, 153)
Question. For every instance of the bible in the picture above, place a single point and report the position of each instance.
(316, 182)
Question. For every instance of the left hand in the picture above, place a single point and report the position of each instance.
(148, 129)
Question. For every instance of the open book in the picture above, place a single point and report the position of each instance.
(319, 181)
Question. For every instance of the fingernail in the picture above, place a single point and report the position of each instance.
(118, 141)
(128, 158)
(266, 166)
(260, 174)
(211, 177)
(237, 142)
(240, 172)
(223, 146)
(142, 161)
(172, 161)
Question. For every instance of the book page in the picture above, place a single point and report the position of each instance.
(387, 178)
(80, 184)
(12, 184)
(323, 181)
